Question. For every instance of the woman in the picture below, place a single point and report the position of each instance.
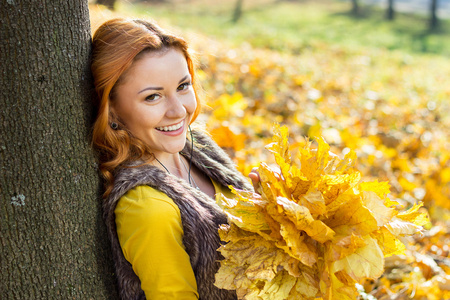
(161, 177)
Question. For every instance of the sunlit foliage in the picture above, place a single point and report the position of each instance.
(311, 230)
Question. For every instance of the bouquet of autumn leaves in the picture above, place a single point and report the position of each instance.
(313, 232)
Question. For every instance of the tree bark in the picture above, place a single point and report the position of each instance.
(52, 237)
(390, 11)
(434, 21)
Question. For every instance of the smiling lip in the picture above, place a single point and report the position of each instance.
(175, 129)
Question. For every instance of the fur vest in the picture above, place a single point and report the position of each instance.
(200, 216)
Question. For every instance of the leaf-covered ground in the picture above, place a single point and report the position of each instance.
(391, 108)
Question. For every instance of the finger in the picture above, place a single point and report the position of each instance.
(254, 170)
(254, 176)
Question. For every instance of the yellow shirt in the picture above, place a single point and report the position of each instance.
(150, 234)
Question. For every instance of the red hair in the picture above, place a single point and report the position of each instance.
(116, 45)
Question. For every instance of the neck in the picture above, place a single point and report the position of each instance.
(171, 163)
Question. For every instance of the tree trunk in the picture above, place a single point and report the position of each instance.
(434, 22)
(108, 3)
(390, 11)
(237, 13)
(355, 7)
(52, 237)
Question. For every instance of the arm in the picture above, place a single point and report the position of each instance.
(150, 234)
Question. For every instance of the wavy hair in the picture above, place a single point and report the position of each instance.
(117, 43)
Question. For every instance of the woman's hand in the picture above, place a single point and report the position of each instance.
(254, 176)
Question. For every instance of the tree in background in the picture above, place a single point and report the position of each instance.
(434, 21)
(53, 240)
(108, 3)
(355, 7)
(390, 10)
(237, 13)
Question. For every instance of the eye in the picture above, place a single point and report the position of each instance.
(183, 86)
(152, 97)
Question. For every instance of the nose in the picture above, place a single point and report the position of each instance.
(176, 108)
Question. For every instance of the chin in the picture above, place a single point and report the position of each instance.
(175, 148)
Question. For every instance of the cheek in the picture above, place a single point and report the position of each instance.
(192, 104)
(124, 114)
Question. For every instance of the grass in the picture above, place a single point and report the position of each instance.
(292, 26)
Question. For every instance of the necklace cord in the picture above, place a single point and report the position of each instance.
(190, 160)
(193, 180)
(162, 165)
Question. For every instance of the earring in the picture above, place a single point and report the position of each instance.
(114, 125)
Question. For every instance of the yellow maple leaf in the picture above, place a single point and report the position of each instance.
(331, 186)
(389, 243)
(346, 164)
(344, 246)
(280, 146)
(306, 287)
(365, 262)
(226, 138)
(342, 199)
(295, 245)
(243, 211)
(296, 183)
(352, 217)
(279, 288)
(375, 204)
(332, 288)
(414, 216)
(382, 189)
(398, 227)
(303, 220)
(258, 256)
(270, 185)
(314, 201)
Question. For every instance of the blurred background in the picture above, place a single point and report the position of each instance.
(372, 76)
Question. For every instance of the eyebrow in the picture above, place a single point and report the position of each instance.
(160, 88)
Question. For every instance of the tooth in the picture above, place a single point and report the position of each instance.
(170, 128)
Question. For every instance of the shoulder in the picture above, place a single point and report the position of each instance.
(144, 201)
(144, 215)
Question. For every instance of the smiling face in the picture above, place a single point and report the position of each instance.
(155, 100)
